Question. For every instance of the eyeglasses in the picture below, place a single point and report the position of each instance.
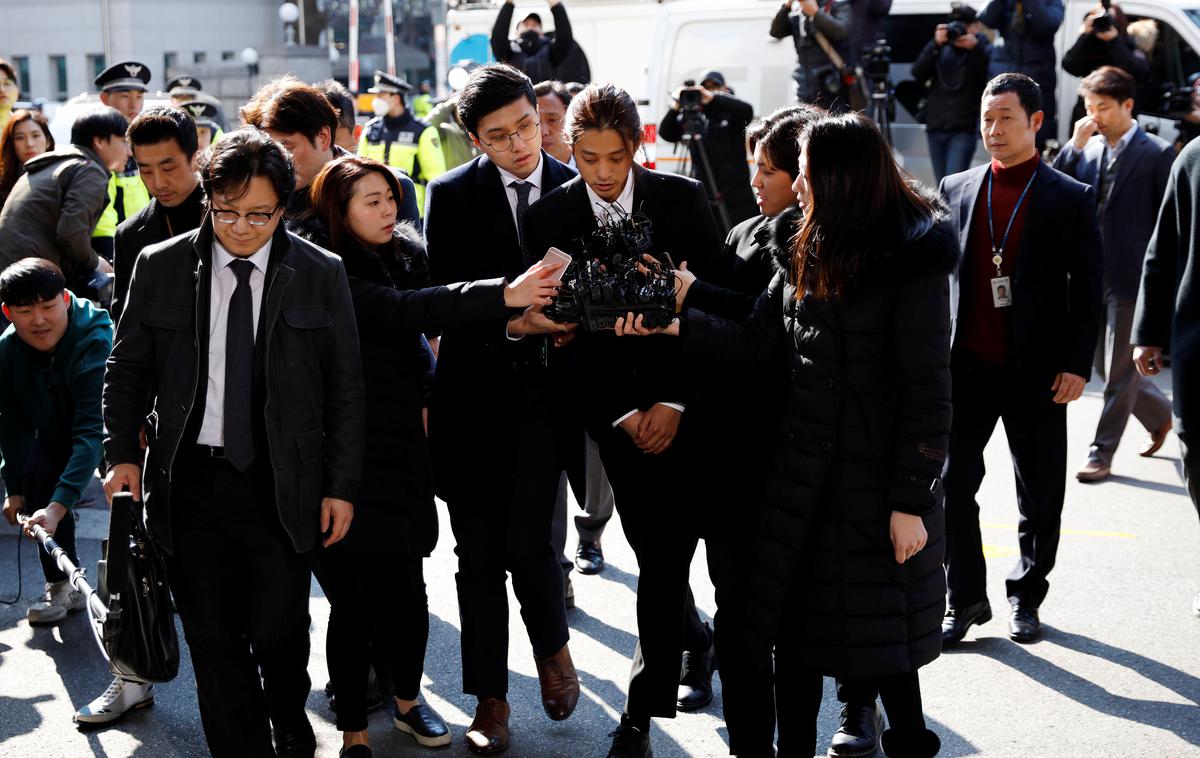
(254, 219)
(526, 132)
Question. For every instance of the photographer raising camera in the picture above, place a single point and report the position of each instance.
(1103, 41)
(821, 33)
(712, 123)
(955, 66)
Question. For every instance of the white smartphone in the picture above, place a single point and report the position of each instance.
(554, 255)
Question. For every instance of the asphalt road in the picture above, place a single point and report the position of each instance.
(1117, 672)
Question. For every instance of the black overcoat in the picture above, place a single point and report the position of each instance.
(862, 432)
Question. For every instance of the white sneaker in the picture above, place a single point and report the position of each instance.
(120, 697)
(54, 604)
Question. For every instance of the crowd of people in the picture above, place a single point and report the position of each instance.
(296, 342)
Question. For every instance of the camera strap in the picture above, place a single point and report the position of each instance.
(827, 46)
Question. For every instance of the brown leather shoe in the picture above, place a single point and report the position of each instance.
(1093, 471)
(560, 684)
(488, 733)
(1156, 440)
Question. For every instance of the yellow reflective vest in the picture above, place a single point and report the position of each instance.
(408, 144)
(126, 187)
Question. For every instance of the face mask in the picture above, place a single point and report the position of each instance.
(530, 41)
(380, 106)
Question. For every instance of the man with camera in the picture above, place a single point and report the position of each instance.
(712, 123)
(1103, 41)
(821, 32)
(955, 65)
(1028, 28)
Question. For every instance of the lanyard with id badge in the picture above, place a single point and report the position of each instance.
(1002, 285)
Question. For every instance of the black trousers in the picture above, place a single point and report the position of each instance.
(39, 479)
(1189, 448)
(798, 699)
(242, 594)
(649, 498)
(509, 532)
(359, 624)
(1037, 438)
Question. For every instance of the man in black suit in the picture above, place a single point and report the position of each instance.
(1128, 169)
(242, 339)
(1169, 305)
(1026, 300)
(500, 424)
(636, 398)
(164, 143)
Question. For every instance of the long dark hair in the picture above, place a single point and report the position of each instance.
(11, 166)
(859, 205)
(332, 189)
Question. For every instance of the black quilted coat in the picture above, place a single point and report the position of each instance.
(862, 432)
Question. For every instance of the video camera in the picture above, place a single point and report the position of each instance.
(954, 30)
(877, 62)
(610, 278)
(692, 120)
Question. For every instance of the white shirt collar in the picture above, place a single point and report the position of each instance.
(222, 257)
(602, 207)
(534, 178)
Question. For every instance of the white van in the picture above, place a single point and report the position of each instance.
(650, 48)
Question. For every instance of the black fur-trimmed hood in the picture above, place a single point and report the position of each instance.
(930, 243)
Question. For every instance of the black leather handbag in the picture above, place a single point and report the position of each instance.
(138, 633)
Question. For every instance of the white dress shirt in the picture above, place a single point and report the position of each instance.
(617, 209)
(535, 192)
(224, 282)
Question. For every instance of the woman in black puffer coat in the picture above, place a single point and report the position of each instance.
(848, 576)
(374, 577)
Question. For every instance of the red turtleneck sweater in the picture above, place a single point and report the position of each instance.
(983, 329)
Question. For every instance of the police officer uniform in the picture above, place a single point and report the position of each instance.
(403, 141)
(186, 88)
(205, 113)
(126, 193)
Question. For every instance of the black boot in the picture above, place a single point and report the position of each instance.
(695, 677)
(858, 734)
(923, 744)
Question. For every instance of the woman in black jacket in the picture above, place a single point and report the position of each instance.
(848, 576)
(395, 527)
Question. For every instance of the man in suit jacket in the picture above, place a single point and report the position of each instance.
(242, 339)
(1128, 169)
(1026, 301)
(1169, 305)
(164, 143)
(500, 424)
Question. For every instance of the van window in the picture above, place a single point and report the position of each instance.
(1168, 99)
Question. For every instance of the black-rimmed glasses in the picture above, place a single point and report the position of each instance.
(254, 219)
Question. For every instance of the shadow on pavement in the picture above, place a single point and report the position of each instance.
(1177, 718)
(1173, 489)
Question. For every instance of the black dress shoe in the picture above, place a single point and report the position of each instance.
(923, 744)
(629, 742)
(589, 558)
(695, 678)
(956, 621)
(356, 751)
(295, 741)
(858, 734)
(1023, 624)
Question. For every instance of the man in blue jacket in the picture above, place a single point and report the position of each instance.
(1028, 28)
(51, 372)
(1129, 169)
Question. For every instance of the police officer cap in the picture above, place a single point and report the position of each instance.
(125, 75)
(184, 84)
(716, 77)
(390, 83)
(204, 113)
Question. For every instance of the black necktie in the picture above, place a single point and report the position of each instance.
(522, 189)
(1108, 176)
(239, 369)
